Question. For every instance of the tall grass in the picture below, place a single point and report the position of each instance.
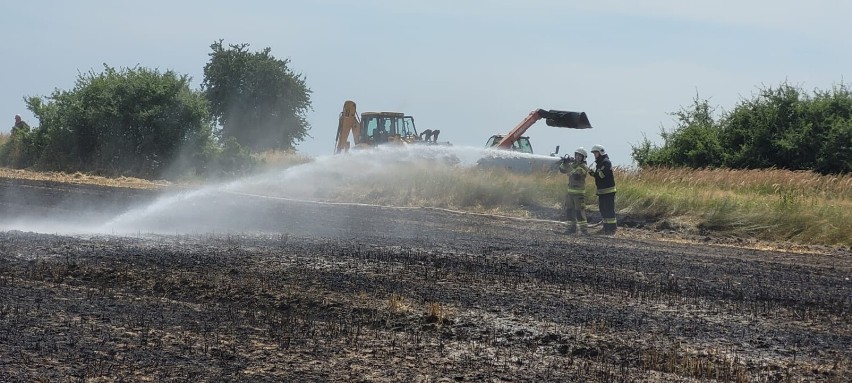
(492, 190)
(282, 159)
(771, 204)
(85, 179)
(802, 207)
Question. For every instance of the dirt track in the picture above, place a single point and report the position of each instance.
(311, 293)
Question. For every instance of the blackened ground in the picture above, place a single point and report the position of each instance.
(312, 292)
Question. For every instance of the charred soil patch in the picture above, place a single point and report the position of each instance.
(441, 297)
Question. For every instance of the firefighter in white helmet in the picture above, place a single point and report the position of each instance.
(575, 199)
(605, 183)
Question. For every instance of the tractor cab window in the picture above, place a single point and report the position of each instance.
(523, 145)
(370, 125)
(405, 126)
(387, 125)
(378, 128)
(376, 124)
(493, 141)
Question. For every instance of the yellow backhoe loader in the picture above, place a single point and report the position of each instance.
(378, 128)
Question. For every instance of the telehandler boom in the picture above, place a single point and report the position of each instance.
(515, 140)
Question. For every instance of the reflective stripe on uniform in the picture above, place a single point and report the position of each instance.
(606, 190)
(576, 191)
(610, 220)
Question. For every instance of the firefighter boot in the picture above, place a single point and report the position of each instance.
(571, 229)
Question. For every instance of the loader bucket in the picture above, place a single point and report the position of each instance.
(563, 119)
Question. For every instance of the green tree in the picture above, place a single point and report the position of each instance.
(788, 128)
(768, 130)
(18, 151)
(694, 142)
(835, 155)
(830, 113)
(132, 121)
(255, 97)
(783, 127)
(644, 152)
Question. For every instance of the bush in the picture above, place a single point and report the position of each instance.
(782, 127)
(129, 122)
(18, 149)
(233, 159)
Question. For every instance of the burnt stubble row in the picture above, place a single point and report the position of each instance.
(463, 299)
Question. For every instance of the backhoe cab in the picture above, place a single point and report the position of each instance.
(392, 127)
(378, 128)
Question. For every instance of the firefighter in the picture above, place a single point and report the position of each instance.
(575, 199)
(605, 183)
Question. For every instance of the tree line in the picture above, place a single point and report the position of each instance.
(147, 123)
(782, 127)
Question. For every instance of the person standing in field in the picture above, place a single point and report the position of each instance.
(20, 125)
(575, 198)
(605, 183)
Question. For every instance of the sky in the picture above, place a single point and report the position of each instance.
(469, 68)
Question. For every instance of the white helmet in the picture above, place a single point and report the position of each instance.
(599, 149)
(582, 152)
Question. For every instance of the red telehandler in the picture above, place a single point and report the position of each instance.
(516, 141)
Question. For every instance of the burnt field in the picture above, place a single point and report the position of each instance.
(294, 291)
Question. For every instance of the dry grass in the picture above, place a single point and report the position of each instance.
(399, 304)
(438, 313)
(766, 182)
(80, 178)
(283, 158)
(774, 204)
(801, 207)
(457, 188)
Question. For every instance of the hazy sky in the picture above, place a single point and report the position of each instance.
(469, 68)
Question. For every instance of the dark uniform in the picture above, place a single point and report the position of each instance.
(605, 183)
(575, 199)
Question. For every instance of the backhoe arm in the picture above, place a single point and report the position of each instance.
(347, 123)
